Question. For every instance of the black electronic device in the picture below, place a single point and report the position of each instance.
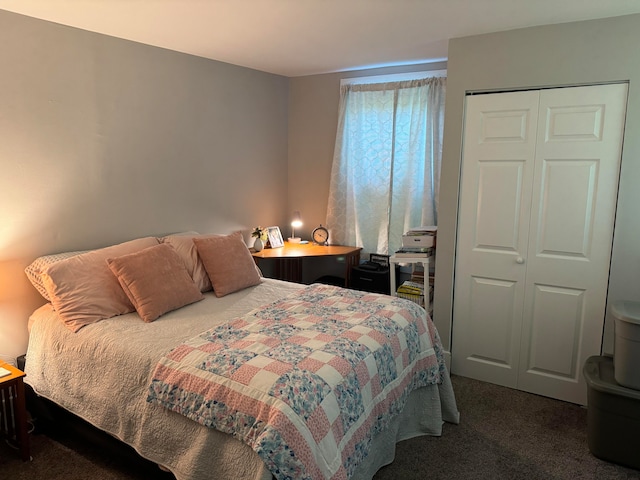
(372, 266)
(379, 258)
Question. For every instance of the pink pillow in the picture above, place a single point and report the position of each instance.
(228, 262)
(83, 290)
(186, 249)
(155, 280)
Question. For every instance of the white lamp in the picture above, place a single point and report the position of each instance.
(296, 222)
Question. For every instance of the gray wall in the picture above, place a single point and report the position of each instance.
(569, 54)
(104, 140)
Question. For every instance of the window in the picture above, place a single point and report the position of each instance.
(386, 165)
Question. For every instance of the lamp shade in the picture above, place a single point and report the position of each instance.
(296, 221)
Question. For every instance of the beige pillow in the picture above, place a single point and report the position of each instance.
(155, 280)
(83, 290)
(183, 244)
(228, 262)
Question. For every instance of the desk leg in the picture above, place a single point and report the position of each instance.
(352, 260)
(21, 421)
(392, 278)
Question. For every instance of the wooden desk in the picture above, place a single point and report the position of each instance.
(13, 409)
(289, 258)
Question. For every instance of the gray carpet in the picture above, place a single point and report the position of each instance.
(503, 434)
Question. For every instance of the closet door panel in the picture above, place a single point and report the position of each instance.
(566, 210)
(575, 184)
(498, 180)
(554, 332)
(496, 183)
(491, 339)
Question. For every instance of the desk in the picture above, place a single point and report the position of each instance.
(289, 258)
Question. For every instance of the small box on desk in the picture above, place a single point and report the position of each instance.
(367, 279)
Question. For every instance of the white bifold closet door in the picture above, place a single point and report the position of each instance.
(537, 205)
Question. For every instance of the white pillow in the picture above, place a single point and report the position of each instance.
(40, 264)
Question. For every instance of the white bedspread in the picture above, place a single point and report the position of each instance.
(102, 373)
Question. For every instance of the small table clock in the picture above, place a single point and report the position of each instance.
(320, 235)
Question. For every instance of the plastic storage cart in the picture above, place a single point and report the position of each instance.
(613, 415)
(626, 348)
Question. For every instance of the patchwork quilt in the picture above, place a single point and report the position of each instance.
(307, 381)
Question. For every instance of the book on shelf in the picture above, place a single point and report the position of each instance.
(419, 299)
(413, 284)
(409, 286)
(416, 290)
(417, 276)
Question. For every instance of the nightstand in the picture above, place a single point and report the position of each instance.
(424, 261)
(13, 409)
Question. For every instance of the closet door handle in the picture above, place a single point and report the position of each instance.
(520, 260)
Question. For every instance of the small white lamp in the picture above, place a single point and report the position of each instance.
(296, 222)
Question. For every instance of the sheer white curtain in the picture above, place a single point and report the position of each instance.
(386, 165)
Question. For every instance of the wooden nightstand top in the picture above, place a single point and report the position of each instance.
(15, 372)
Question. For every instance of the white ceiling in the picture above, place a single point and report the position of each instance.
(305, 37)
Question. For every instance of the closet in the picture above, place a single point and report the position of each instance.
(538, 196)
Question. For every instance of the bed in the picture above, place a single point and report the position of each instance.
(121, 374)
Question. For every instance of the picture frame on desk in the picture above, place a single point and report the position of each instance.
(275, 237)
